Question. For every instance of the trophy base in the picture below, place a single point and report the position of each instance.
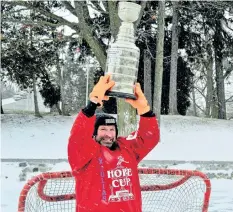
(121, 95)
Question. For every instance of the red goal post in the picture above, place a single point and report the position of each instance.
(163, 190)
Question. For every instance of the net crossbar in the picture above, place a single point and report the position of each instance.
(163, 190)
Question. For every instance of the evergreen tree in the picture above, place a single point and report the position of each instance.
(28, 53)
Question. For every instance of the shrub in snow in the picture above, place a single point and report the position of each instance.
(23, 164)
(27, 169)
(22, 176)
(35, 169)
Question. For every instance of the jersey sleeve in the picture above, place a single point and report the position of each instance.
(142, 141)
(81, 147)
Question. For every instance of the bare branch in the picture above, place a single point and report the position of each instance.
(16, 11)
(114, 19)
(143, 6)
(196, 57)
(105, 3)
(102, 30)
(39, 23)
(97, 7)
(228, 71)
(199, 107)
(230, 99)
(64, 38)
(200, 91)
(86, 32)
(69, 7)
(228, 27)
(62, 21)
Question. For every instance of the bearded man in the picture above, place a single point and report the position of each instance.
(104, 164)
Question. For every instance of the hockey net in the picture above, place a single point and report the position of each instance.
(163, 190)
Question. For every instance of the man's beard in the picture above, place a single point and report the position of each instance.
(112, 146)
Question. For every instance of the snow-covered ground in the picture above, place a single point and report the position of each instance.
(24, 104)
(7, 101)
(182, 138)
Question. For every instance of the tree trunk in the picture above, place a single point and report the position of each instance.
(147, 78)
(143, 6)
(174, 57)
(60, 76)
(126, 118)
(37, 112)
(58, 109)
(220, 90)
(2, 112)
(159, 61)
(114, 18)
(194, 99)
(86, 33)
(209, 91)
(61, 84)
(214, 108)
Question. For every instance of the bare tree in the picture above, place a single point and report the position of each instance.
(36, 106)
(209, 81)
(159, 60)
(194, 99)
(2, 112)
(216, 29)
(174, 57)
(60, 77)
(147, 77)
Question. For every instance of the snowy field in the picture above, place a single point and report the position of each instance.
(182, 138)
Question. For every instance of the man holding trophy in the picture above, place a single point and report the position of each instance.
(103, 164)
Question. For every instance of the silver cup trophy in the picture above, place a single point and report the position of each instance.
(123, 55)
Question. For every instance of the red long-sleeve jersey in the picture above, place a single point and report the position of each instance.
(106, 180)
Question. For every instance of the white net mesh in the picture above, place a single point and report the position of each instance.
(162, 191)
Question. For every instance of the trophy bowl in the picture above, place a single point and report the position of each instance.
(128, 12)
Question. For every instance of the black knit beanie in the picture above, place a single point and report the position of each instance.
(104, 119)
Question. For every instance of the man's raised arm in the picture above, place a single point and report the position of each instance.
(148, 134)
(82, 147)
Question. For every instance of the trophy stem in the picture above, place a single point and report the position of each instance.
(126, 33)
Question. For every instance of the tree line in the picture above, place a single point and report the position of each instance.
(185, 50)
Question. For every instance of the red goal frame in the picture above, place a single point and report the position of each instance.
(41, 179)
